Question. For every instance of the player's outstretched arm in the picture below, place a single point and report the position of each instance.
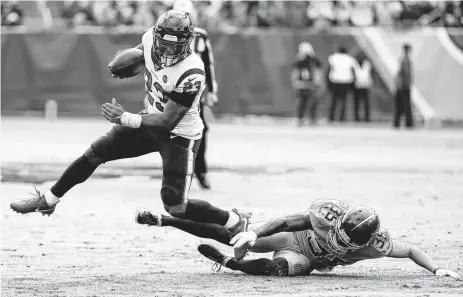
(402, 249)
(173, 113)
(292, 223)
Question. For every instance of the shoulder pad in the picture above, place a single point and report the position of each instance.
(147, 32)
(382, 242)
(147, 29)
(326, 211)
(201, 31)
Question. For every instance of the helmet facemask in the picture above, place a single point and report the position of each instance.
(339, 242)
(170, 52)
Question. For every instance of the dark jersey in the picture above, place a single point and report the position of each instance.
(202, 47)
(305, 68)
(313, 243)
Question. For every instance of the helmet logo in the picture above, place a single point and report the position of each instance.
(175, 23)
(164, 78)
(170, 37)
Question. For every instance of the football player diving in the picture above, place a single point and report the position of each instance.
(330, 233)
(172, 126)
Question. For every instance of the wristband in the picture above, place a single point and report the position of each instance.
(131, 120)
(435, 270)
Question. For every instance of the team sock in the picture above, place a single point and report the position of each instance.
(51, 198)
(203, 212)
(233, 219)
(203, 230)
(76, 173)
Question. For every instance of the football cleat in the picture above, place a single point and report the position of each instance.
(37, 203)
(146, 217)
(212, 253)
(242, 224)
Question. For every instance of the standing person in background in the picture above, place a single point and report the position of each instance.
(363, 82)
(340, 80)
(202, 46)
(305, 80)
(403, 82)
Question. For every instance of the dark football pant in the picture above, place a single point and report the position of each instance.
(403, 106)
(339, 94)
(362, 96)
(200, 163)
(177, 153)
(307, 99)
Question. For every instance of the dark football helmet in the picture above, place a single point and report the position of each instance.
(353, 231)
(172, 37)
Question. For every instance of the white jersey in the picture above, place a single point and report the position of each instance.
(187, 76)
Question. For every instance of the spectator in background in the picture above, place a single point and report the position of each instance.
(363, 82)
(126, 10)
(460, 13)
(78, 13)
(305, 79)
(341, 13)
(403, 82)
(12, 14)
(451, 13)
(143, 16)
(105, 13)
(340, 80)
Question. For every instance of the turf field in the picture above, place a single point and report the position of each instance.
(92, 247)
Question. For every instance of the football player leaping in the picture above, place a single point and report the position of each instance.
(172, 126)
(330, 233)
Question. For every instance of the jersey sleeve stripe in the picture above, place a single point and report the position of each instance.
(188, 73)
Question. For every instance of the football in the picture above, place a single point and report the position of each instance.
(127, 63)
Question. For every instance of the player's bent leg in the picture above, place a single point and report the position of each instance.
(176, 204)
(203, 230)
(275, 242)
(120, 142)
(298, 264)
(178, 156)
(263, 266)
(45, 203)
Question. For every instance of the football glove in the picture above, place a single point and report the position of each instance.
(242, 238)
(447, 272)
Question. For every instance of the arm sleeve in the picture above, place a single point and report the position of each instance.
(208, 60)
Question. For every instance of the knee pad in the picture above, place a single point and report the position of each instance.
(92, 157)
(171, 197)
(177, 211)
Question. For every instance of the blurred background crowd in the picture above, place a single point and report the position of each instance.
(234, 14)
